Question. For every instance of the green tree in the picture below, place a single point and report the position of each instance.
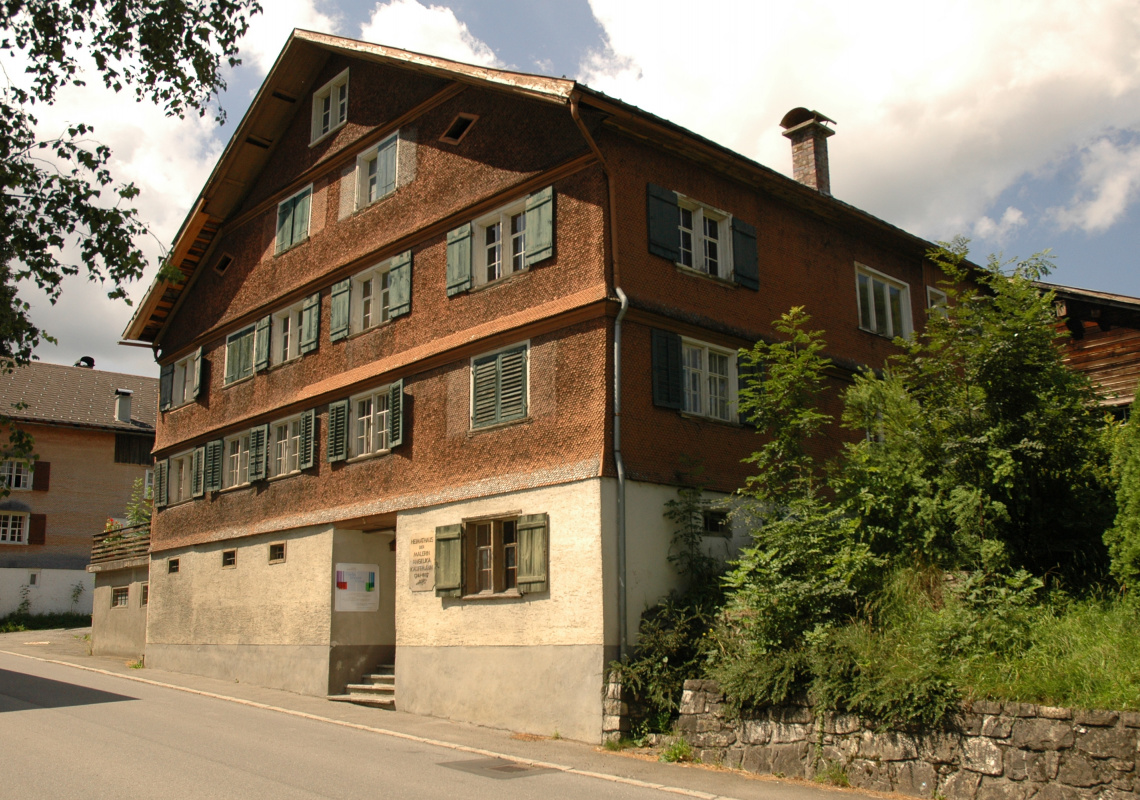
(1123, 538)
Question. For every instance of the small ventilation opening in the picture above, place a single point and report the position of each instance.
(229, 558)
(458, 128)
(223, 264)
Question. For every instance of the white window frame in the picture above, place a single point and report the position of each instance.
(280, 247)
(336, 92)
(185, 373)
(284, 451)
(285, 334)
(900, 327)
(373, 155)
(235, 463)
(180, 478)
(148, 484)
(696, 242)
(936, 301)
(232, 347)
(368, 433)
(376, 303)
(120, 591)
(7, 533)
(697, 381)
(15, 474)
(510, 261)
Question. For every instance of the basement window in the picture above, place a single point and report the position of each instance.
(145, 594)
(172, 566)
(277, 553)
(229, 559)
(120, 596)
(458, 128)
(715, 523)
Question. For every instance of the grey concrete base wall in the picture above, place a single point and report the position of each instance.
(348, 662)
(119, 631)
(999, 751)
(295, 668)
(537, 689)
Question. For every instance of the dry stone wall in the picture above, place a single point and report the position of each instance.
(1000, 751)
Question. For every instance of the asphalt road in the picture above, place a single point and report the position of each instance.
(68, 733)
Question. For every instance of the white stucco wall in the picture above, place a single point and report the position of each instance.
(50, 595)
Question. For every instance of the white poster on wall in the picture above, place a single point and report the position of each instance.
(355, 588)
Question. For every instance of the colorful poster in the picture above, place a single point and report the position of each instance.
(355, 588)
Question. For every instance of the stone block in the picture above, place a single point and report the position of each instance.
(756, 732)
(1054, 712)
(733, 757)
(1131, 719)
(614, 723)
(972, 724)
(707, 724)
(938, 747)
(783, 733)
(693, 686)
(692, 702)
(1125, 783)
(960, 785)
(1042, 734)
(687, 724)
(1052, 764)
(1055, 791)
(867, 774)
(757, 760)
(791, 760)
(613, 690)
(1020, 709)
(797, 715)
(718, 738)
(1099, 719)
(842, 724)
(897, 747)
(830, 754)
(985, 707)
(1107, 743)
(997, 727)
(982, 755)
(999, 789)
(1023, 765)
(714, 756)
(1080, 770)
(915, 778)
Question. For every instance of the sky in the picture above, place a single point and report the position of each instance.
(1013, 123)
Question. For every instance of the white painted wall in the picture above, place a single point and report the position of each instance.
(52, 592)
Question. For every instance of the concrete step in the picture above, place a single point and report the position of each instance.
(386, 669)
(379, 680)
(370, 689)
(378, 701)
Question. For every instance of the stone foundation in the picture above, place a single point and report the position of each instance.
(1000, 751)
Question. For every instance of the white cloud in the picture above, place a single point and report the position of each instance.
(1109, 182)
(999, 231)
(940, 106)
(432, 30)
(269, 30)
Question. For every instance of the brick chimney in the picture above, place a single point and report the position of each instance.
(123, 405)
(808, 131)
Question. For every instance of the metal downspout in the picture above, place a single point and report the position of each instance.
(622, 603)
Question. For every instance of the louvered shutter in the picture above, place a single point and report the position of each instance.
(540, 226)
(339, 310)
(37, 529)
(284, 225)
(308, 456)
(213, 471)
(231, 360)
(165, 386)
(512, 384)
(258, 441)
(449, 561)
(261, 343)
(664, 237)
(396, 414)
(667, 373)
(747, 376)
(197, 375)
(338, 431)
(198, 472)
(161, 468)
(400, 285)
(41, 476)
(484, 391)
(745, 258)
(310, 322)
(533, 539)
(459, 260)
(301, 205)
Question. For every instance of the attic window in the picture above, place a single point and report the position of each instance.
(223, 264)
(330, 107)
(458, 128)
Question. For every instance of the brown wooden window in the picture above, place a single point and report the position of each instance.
(120, 595)
(488, 557)
(277, 552)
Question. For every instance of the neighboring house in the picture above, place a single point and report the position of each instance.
(93, 432)
(448, 340)
(1103, 343)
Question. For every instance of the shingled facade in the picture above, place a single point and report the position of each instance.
(445, 340)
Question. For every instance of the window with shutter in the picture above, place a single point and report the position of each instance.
(13, 528)
(745, 257)
(459, 260)
(374, 421)
(239, 355)
(235, 469)
(165, 386)
(258, 452)
(293, 220)
(338, 431)
(496, 556)
(310, 323)
(376, 172)
(198, 473)
(449, 561)
(308, 457)
(666, 364)
(214, 460)
(499, 386)
(283, 335)
(184, 378)
(16, 476)
(160, 490)
(41, 476)
(180, 477)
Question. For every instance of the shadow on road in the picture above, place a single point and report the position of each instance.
(19, 692)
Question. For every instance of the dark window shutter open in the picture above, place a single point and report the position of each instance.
(533, 540)
(667, 373)
(339, 310)
(261, 343)
(512, 384)
(213, 470)
(258, 438)
(161, 468)
(41, 476)
(308, 456)
(484, 387)
(745, 375)
(198, 472)
(400, 285)
(396, 414)
(664, 237)
(165, 386)
(37, 529)
(338, 431)
(449, 561)
(745, 257)
(540, 226)
(310, 323)
(459, 260)
(197, 374)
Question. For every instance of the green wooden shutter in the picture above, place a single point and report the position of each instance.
(197, 386)
(161, 468)
(197, 472)
(396, 414)
(746, 376)
(459, 260)
(484, 390)
(745, 258)
(540, 226)
(667, 372)
(338, 431)
(231, 360)
(400, 285)
(664, 237)
(533, 545)
(258, 441)
(284, 225)
(449, 561)
(301, 216)
(310, 322)
(308, 457)
(339, 310)
(512, 384)
(165, 386)
(213, 477)
(261, 343)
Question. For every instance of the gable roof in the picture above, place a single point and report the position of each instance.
(56, 394)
